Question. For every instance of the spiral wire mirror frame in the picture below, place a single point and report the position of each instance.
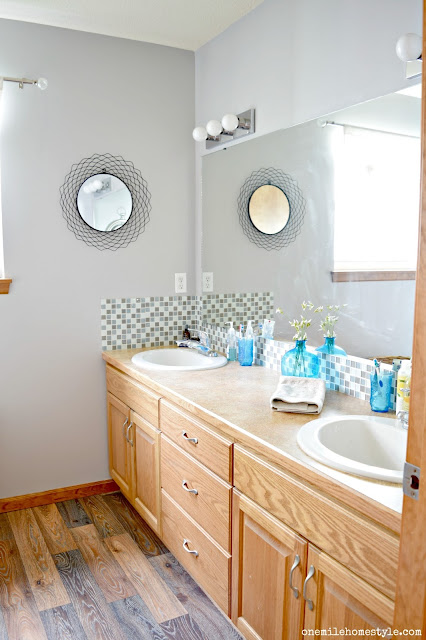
(277, 178)
(137, 185)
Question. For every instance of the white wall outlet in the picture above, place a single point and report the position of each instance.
(180, 282)
(207, 281)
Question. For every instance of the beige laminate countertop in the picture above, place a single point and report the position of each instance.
(235, 399)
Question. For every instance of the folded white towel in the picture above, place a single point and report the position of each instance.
(299, 395)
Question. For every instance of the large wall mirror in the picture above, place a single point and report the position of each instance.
(359, 173)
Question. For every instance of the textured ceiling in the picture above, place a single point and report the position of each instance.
(186, 24)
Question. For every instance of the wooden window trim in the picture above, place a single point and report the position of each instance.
(5, 284)
(371, 276)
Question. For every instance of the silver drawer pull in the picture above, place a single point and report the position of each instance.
(124, 426)
(295, 564)
(185, 436)
(127, 434)
(305, 585)
(185, 486)
(185, 546)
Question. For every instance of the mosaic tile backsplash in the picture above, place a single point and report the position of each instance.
(237, 307)
(131, 323)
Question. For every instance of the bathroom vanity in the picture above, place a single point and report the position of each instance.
(279, 541)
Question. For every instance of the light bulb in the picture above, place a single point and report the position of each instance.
(42, 83)
(87, 188)
(214, 128)
(230, 122)
(97, 185)
(409, 47)
(199, 134)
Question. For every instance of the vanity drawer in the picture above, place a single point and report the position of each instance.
(135, 395)
(211, 449)
(369, 550)
(211, 506)
(212, 567)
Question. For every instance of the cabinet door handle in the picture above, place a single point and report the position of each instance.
(185, 486)
(305, 586)
(185, 546)
(127, 434)
(124, 426)
(185, 436)
(295, 564)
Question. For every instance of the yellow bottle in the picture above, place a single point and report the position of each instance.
(403, 387)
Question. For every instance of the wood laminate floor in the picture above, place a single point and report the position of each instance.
(92, 569)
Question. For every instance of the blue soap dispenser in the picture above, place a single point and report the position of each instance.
(231, 343)
(245, 347)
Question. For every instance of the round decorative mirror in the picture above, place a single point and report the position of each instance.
(104, 202)
(269, 209)
(105, 193)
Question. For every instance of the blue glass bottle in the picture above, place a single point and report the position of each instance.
(245, 352)
(300, 362)
(331, 348)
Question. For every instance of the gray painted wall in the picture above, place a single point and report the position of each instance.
(378, 320)
(294, 61)
(105, 95)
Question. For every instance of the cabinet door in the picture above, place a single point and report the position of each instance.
(120, 457)
(146, 479)
(264, 604)
(336, 597)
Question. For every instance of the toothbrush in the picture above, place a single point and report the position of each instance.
(377, 372)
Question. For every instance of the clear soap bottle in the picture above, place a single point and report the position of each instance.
(231, 343)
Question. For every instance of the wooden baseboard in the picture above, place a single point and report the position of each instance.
(57, 495)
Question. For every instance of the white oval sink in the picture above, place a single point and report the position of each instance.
(179, 359)
(368, 446)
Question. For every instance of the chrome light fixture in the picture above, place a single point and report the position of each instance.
(409, 50)
(231, 127)
(409, 47)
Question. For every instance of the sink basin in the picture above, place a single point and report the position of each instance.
(180, 359)
(368, 446)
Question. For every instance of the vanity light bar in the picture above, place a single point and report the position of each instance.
(41, 83)
(231, 127)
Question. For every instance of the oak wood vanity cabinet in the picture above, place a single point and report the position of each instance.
(301, 559)
(283, 583)
(134, 444)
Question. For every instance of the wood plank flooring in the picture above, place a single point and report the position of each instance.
(92, 569)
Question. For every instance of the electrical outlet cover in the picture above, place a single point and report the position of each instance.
(207, 281)
(180, 282)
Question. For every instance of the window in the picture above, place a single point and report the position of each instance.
(377, 192)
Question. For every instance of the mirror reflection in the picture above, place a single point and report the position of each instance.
(359, 172)
(269, 209)
(104, 202)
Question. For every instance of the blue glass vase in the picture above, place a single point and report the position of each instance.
(331, 348)
(300, 362)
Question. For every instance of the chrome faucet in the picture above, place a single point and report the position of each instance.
(202, 345)
(402, 417)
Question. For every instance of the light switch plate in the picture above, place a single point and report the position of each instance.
(180, 282)
(207, 282)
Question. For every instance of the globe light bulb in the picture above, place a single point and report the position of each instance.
(214, 128)
(409, 47)
(97, 185)
(199, 134)
(230, 122)
(42, 83)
